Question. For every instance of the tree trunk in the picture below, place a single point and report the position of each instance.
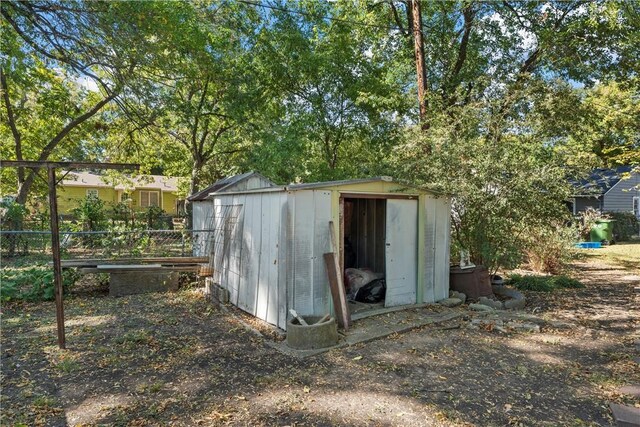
(421, 71)
(194, 186)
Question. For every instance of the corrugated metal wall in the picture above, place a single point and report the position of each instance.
(251, 263)
(202, 211)
(437, 235)
(271, 258)
(308, 240)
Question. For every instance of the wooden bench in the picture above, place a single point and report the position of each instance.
(130, 276)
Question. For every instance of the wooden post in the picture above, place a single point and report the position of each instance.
(336, 282)
(55, 250)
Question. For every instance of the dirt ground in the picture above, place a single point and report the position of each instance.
(174, 359)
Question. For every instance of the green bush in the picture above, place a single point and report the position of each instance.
(543, 283)
(549, 249)
(91, 214)
(625, 226)
(34, 283)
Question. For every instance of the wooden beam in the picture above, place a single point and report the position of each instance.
(337, 292)
(153, 260)
(336, 282)
(67, 165)
(378, 196)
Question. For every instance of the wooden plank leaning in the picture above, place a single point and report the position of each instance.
(336, 283)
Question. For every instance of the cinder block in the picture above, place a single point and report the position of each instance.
(625, 416)
(142, 282)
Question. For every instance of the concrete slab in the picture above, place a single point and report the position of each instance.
(631, 390)
(376, 327)
(625, 416)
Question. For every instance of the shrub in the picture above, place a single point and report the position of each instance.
(153, 217)
(33, 283)
(586, 221)
(626, 225)
(543, 283)
(91, 214)
(548, 250)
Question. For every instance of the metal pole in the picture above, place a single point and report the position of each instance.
(55, 250)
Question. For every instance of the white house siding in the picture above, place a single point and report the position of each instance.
(437, 235)
(309, 239)
(619, 198)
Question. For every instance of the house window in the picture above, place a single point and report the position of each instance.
(149, 198)
(92, 192)
(636, 206)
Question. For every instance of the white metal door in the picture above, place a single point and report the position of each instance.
(401, 252)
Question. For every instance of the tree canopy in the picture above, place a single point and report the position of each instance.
(517, 94)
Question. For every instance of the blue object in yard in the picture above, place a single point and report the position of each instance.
(589, 245)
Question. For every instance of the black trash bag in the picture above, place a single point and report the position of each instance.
(373, 292)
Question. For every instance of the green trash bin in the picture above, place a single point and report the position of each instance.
(602, 231)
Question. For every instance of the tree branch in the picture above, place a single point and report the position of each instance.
(17, 138)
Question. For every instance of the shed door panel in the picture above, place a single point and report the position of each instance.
(401, 252)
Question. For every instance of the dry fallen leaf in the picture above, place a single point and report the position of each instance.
(357, 358)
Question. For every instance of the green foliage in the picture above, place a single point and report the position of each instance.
(605, 131)
(122, 213)
(549, 249)
(626, 225)
(33, 283)
(337, 99)
(543, 283)
(586, 221)
(153, 216)
(12, 214)
(504, 192)
(91, 214)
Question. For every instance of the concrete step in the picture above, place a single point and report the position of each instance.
(631, 390)
(625, 416)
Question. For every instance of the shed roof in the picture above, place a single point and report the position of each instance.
(329, 184)
(599, 181)
(224, 183)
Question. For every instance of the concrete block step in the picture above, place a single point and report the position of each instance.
(631, 390)
(625, 416)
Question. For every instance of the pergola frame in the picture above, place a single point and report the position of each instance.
(55, 231)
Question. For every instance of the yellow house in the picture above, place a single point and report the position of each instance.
(140, 191)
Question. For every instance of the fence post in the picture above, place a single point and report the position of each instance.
(182, 234)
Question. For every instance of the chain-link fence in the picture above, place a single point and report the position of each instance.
(107, 244)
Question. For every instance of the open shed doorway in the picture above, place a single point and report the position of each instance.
(364, 230)
(379, 252)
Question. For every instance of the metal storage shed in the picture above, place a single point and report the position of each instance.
(270, 258)
(202, 206)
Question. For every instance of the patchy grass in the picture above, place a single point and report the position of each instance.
(543, 283)
(626, 254)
